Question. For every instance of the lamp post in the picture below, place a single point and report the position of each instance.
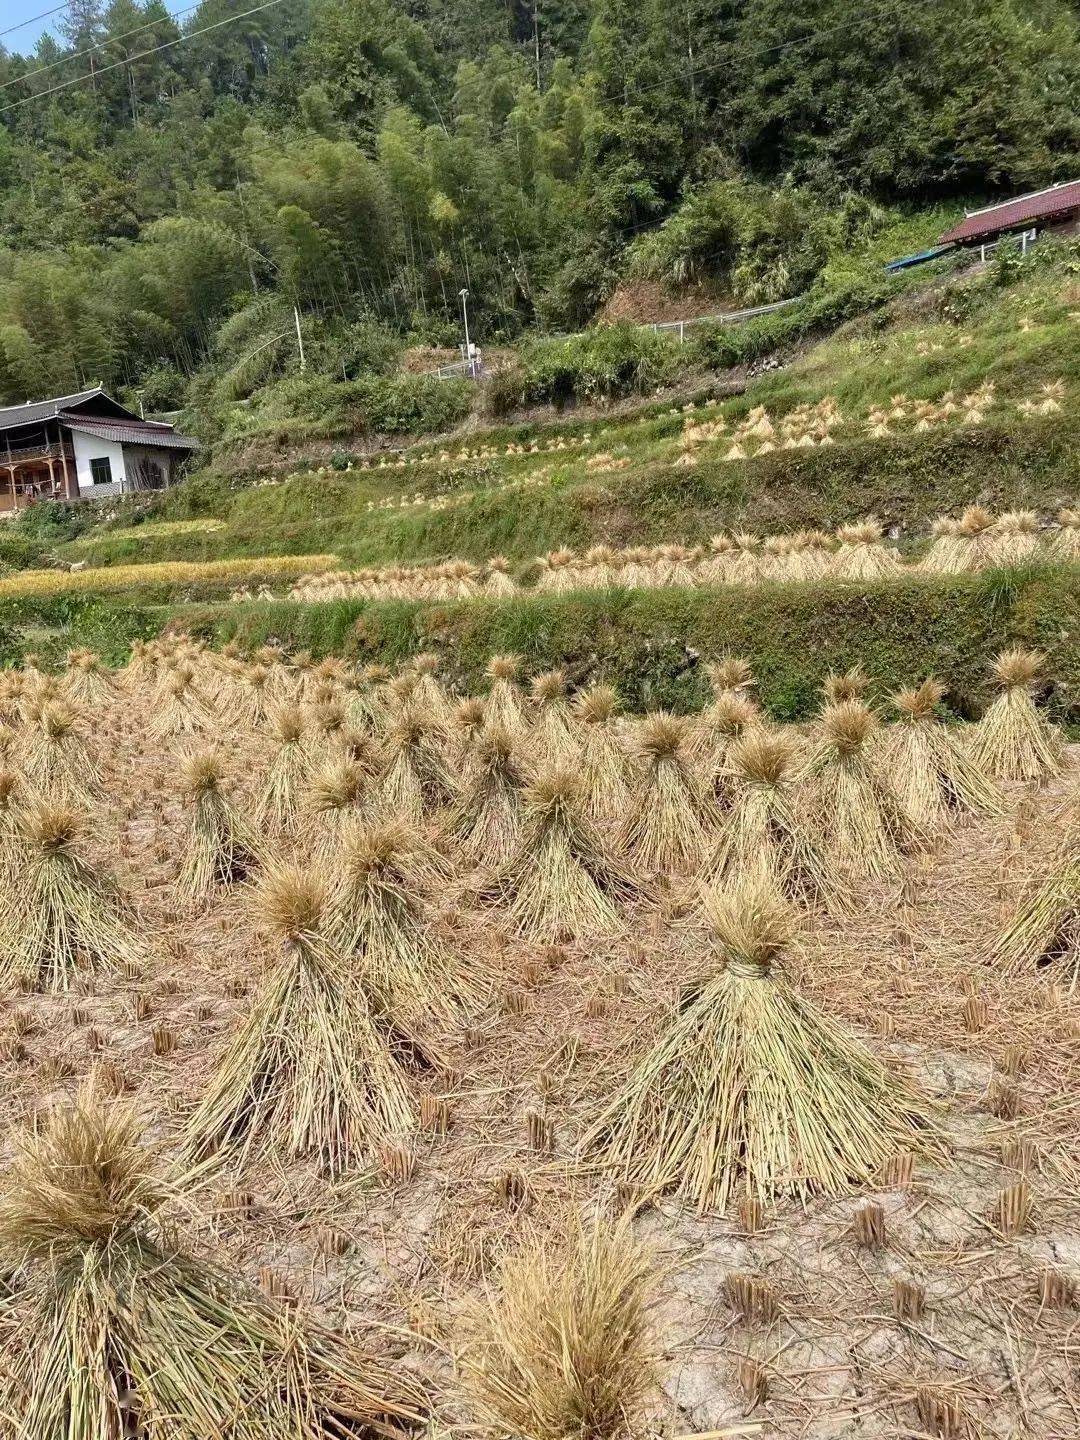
(465, 316)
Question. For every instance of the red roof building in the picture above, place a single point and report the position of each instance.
(1058, 204)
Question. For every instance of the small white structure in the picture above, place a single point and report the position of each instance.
(83, 446)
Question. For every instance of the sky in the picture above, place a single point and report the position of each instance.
(13, 12)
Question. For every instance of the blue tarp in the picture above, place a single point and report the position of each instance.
(908, 260)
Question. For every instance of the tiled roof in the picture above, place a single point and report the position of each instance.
(16, 415)
(1038, 206)
(126, 432)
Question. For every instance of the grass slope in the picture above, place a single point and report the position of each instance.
(650, 643)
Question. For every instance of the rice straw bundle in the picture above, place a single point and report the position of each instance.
(277, 810)
(838, 688)
(504, 704)
(498, 582)
(552, 733)
(88, 682)
(409, 972)
(181, 708)
(716, 728)
(135, 1337)
(252, 696)
(364, 704)
(561, 883)
(429, 698)
(716, 567)
(861, 555)
(486, 822)
(57, 757)
(301, 664)
(731, 674)
(309, 1074)
(220, 848)
(467, 720)
(765, 829)
(749, 1085)
(337, 797)
(976, 538)
(744, 567)
(852, 811)
(945, 554)
(9, 798)
(1065, 543)
(669, 822)
(416, 781)
(1013, 741)
(602, 758)
(1045, 930)
(565, 1348)
(932, 773)
(1015, 538)
(59, 915)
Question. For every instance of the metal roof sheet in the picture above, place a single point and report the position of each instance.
(145, 432)
(1038, 206)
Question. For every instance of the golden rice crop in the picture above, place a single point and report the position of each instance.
(173, 574)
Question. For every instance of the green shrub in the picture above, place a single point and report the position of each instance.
(408, 404)
(602, 364)
(822, 309)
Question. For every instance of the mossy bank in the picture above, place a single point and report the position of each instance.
(652, 643)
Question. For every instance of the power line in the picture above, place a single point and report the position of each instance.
(33, 18)
(90, 49)
(142, 55)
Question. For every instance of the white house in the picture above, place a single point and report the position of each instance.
(82, 446)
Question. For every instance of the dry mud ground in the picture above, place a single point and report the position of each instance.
(984, 1358)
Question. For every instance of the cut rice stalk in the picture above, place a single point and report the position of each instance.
(410, 972)
(277, 810)
(765, 829)
(552, 731)
(565, 1348)
(416, 782)
(670, 821)
(58, 759)
(751, 1087)
(505, 705)
(848, 805)
(931, 770)
(487, 820)
(1045, 930)
(605, 766)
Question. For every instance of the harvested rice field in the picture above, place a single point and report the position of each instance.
(377, 1059)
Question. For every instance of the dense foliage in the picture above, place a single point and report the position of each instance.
(171, 189)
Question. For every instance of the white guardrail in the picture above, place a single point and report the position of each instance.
(473, 369)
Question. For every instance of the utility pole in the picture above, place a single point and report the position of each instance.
(299, 336)
(465, 316)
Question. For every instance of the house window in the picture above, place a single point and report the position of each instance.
(101, 470)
